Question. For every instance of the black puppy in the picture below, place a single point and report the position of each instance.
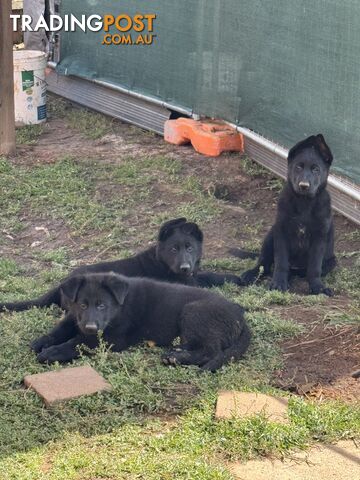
(175, 258)
(302, 240)
(128, 311)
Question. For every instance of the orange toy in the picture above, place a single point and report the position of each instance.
(207, 137)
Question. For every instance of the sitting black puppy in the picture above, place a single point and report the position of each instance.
(130, 310)
(175, 258)
(302, 240)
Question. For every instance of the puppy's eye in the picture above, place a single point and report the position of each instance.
(174, 249)
(189, 248)
(299, 166)
(83, 306)
(101, 306)
(315, 169)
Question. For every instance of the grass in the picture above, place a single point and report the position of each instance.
(69, 189)
(29, 134)
(91, 125)
(157, 422)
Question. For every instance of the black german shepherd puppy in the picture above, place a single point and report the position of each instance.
(130, 310)
(302, 240)
(175, 258)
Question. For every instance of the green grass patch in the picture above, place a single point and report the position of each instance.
(67, 189)
(275, 184)
(345, 280)
(145, 170)
(58, 257)
(354, 235)
(252, 168)
(231, 264)
(91, 125)
(29, 134)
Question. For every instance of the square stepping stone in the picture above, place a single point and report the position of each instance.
(58, 386)
(243, 404)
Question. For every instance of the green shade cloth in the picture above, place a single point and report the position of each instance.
(283, 68)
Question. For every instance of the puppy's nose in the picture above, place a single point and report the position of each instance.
(185, 267)
(91, 328)
(304, 185)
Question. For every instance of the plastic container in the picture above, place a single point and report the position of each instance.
(29, 87)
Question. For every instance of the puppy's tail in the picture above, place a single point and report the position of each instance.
(49, 298)
(239, 253)
(234, 352)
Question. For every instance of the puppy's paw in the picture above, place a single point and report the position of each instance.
(328, 292)
(249, 277)
(318, 288)
(280, 284)
(170, 359)
(40, 343)
(238, 281)
(50, 355)
(211, 366)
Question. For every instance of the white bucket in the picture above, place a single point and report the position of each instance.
(30, 87)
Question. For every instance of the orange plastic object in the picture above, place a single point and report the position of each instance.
(207, 137)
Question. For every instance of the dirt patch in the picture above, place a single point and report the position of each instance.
(330, 461)
(320, 363)
(176, 395)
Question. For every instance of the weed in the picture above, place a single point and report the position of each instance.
(90, 124)
(29, 134)
(253, 169)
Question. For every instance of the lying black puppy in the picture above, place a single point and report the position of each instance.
(302, 240)
(130, 310)
(175, 258)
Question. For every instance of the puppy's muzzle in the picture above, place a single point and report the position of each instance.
(91, 328)
(185, 268)
(304, 186)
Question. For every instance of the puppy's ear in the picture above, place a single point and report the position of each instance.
(318, 142)
(193, 229)
(167, 227)
(117, 286)
(324, 150)
(307, 143)
(69, 290)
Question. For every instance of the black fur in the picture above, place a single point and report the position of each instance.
(175, 258)
(212, 330)
(302, 240)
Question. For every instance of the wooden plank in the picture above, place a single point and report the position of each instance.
(7, 110)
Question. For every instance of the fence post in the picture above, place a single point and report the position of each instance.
(7, 109)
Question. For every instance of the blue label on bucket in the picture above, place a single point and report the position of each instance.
(42, 112)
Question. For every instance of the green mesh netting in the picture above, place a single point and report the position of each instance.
(283, 68)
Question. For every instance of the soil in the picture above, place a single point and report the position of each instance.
(326, 461)
(323, 362)
(317, 363)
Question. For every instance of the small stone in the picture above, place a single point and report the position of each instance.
(58, 386)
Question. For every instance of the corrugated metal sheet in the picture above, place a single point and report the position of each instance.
(110, 102)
